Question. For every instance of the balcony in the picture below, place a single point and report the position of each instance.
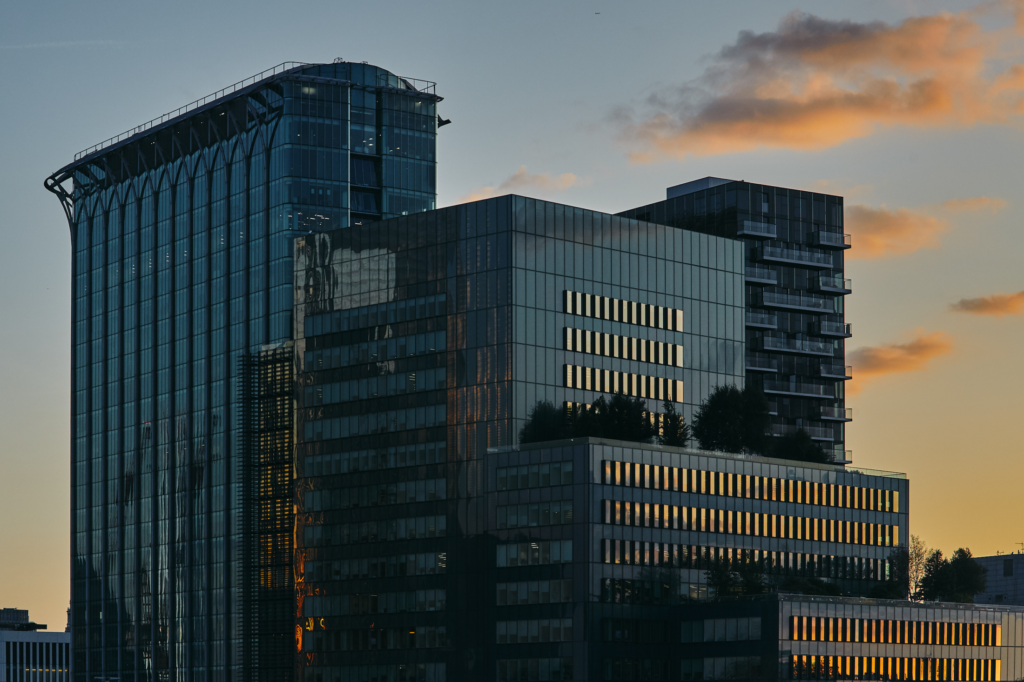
(805, 346)
(759, 275)
(837, 414)
(828, 370)
(835, 284)
(808, 259)
(812, 304)
(773, 408)
(815, 432)
(843, 329)
(848, 459)
(831, 240)
(753, 228)
(761, 363)
(796, 388)
(761, 320)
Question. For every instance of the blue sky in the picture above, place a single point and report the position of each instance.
(570, 91)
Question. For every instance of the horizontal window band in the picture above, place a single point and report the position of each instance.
(609, 381)
(755, 524)
(636, 475)
(620, 310)
(625, 347)
(701, 557)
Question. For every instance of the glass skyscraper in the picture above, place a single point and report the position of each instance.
(182, 235)
(422, 344)
(795, 286)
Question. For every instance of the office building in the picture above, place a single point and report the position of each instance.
(182, 235)
(1004, 581)
(27, 654)
(423, 342)
(792, 636)
(793, 245)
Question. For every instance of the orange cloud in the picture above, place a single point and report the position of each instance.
(871, 362)
(815, 83)
(520, 181)
(880, 232)
(990, 204)
(996, 305)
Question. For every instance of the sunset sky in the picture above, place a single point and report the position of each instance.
(914, 111)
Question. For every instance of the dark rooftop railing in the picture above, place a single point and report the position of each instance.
(401, 82)
(280, 68)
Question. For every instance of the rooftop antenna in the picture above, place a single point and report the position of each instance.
(1021, 547)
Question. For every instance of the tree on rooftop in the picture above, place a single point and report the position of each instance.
(675, 432)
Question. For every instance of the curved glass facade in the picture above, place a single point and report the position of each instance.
(182, 269)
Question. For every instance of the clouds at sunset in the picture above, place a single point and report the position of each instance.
(883, 232)
(872, 362)
(815, 83)
(521, 181)
(996, 305)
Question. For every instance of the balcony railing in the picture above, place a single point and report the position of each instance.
(761, 275)
(835, 284)
(763, 320)
(815, 432)
(827, 328)
(761, 363)
(833, 240)
(799, 389)
(814, 259)
(833, 371)
(840, 414)
(809, 346)
(797, 301)
(753, 228)
(773, 407)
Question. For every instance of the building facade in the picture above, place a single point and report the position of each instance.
(422, 344)
(791, 636)
(28, 654)
(1004, 580)
(793, 246)
(182, 236)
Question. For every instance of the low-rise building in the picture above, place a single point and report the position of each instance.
(28, 654)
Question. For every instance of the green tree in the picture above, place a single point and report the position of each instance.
(546, 422)
(718, 424)
(751, 575)
(586, 421)
(721, 577)
(957, 579)
(800, 447)
(625, 418)
(674, 429)
(756, 420)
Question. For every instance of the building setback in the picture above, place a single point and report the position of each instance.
(182, 236)
(793, 245)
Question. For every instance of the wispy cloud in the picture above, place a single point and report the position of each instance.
(990, 204)
(815, 83)
(521, 181)
(883, 232)
(871, 362)
(63, 44)
(996, 305)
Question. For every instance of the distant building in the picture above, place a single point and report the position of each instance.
(1005, 579)
(29, 655)
(798, 637)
